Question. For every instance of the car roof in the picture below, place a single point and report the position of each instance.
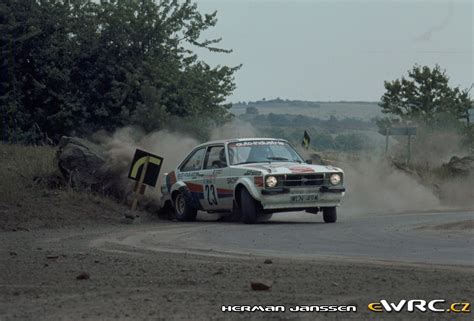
(233, 140)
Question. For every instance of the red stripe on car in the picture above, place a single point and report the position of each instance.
(194, 187)
(225, 191)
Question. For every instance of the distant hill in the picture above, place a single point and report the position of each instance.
(277, 102)
(362, 110)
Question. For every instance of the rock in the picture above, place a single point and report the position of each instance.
(267, 261)
(81, 162)
(86, 166)
(13, 253)
(83, 276)
(130, 215)
(261, 285)
(460, 165)
(127, 221)
(52, 257)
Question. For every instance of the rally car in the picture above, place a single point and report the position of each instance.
(250, 179)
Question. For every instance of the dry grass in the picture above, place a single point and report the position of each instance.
(20, 166)
(33, 194)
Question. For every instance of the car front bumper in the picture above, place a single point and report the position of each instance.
(301, 198)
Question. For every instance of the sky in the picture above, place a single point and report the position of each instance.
(338, 50)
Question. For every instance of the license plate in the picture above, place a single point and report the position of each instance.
(304, 198)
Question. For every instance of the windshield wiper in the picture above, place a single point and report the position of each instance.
(250, 162)
(277, 158)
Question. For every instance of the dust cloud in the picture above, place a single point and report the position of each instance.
(429, 148)
(234, 129)
(173, 146)
(374, 185)
(120, 147)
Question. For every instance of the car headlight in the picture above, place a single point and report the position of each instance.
(335, 179)
(271, 181)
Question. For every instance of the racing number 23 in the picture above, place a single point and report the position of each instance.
(211, 194)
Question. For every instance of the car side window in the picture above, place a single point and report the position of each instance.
(215, 157)
(194, 162)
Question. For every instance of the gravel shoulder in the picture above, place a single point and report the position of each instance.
(40, 270)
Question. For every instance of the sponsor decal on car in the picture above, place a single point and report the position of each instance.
(232, 180)
(301, 169)
(258, 143)
(191, 175)
(252, 173)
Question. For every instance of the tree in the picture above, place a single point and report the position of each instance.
(73, 67)
(252, 110)
(425, 97)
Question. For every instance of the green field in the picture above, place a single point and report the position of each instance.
(341, 126)
(323, 110)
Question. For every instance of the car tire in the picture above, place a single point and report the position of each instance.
(248, 207)
(329, 214)
(166, 212)
(265, 217)
(182, 209)
(234, 216)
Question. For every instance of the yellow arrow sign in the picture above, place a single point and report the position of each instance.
(140, 162)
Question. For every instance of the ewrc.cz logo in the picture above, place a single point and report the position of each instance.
(420, 305)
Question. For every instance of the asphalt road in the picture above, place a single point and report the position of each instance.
(409, 238)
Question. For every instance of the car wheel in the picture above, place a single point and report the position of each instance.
(166, 212)
(182, 209)
(265, 217)
(329, 214)
(248, 207)
(234, 216)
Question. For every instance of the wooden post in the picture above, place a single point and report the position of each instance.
(139, 186)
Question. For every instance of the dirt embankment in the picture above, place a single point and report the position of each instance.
(35, 195)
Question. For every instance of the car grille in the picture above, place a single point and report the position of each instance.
(292, 180)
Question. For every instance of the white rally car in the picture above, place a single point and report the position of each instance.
(251, 179)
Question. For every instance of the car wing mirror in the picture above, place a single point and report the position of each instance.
(309, 161)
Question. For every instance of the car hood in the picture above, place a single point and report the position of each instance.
(288, 168)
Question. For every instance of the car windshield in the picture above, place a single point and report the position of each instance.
(262, 151)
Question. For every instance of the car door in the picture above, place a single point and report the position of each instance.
(217, 194)
(190, 174)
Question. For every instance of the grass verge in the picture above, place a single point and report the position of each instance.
(34, 195)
